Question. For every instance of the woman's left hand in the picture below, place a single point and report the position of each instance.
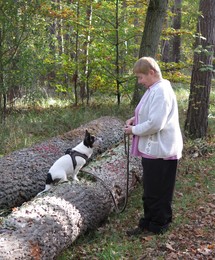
(128, 129)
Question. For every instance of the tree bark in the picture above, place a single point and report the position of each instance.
(196, 123)
(176, 41)
(152, 30)
(43, 227)
(23, 172)
(171, 48)
(153, 27)
(76, 75)
(117, 58)
(89, 13)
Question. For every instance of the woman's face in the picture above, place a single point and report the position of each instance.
(146, 79)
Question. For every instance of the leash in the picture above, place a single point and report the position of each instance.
(117, 209)
(127, 153)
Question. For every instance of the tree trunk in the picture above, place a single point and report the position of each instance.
(152, 30)
(153, 27)
(176, 41)
(196, 123)
(171, 48)
(76, 77)
(2, 117)
(117, 53)
(43, 227)
(89, 13)
(60, 34)
(137, 5)
(23, 172)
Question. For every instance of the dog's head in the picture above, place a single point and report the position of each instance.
(91, 140)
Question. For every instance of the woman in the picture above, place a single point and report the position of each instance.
(157, 139)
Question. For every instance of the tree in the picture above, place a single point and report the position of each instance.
(118, 36)
(89, 12)
(156, 14)
(77, 52)
(196, 123)
(98, 37)
(171, 45)
(80, 48)
(20, 36)
(176, 44)
(151, 36)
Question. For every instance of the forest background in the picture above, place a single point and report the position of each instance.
(84, 49)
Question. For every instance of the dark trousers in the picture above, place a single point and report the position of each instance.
(158, 187)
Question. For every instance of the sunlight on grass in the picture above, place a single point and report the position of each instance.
(53, 102)
(28, 125)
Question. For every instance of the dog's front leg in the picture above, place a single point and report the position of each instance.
(75, 178)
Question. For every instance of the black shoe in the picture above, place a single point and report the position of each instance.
(148, 233)
(134, 232)
(144, 223)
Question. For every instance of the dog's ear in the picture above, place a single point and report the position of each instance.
(87, 133)
(89, 139)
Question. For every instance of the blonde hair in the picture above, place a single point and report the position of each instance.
(145, 64)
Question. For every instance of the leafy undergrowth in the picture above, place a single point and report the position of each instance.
(192, 233)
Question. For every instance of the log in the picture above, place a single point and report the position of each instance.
(41, 228)
(23, 172)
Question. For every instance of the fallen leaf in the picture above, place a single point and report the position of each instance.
(204, 251)
(169, 247)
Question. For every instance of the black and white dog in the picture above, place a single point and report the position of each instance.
(71, 163)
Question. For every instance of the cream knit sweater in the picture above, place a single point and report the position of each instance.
(158, 123)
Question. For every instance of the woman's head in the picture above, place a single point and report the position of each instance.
(147, 71)
(145, 64)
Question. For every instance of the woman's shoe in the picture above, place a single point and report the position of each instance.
(134, 232)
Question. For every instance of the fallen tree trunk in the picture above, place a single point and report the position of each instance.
(41, 228)
(23, 172)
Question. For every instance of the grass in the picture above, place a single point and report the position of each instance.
(195, 183)
(26, 126)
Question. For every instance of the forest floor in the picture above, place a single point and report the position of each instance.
(192, 233)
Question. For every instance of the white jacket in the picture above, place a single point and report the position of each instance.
(158, 123)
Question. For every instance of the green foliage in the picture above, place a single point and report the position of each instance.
(174, 71)
(46, 44)
(100, 34)
(190, 13)
(208, 50)
(20, 48)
